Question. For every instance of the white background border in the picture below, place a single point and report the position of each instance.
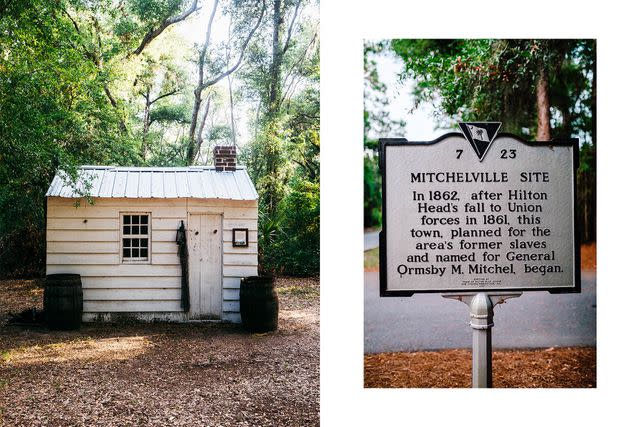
(345, 24)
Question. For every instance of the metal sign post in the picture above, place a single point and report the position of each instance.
(481, 312)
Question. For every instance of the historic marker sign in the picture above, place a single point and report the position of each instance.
(478, 211)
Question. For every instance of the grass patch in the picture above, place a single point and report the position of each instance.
(372, 260)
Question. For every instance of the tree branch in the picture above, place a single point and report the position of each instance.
(202, 123)
(293, 20)
(203, 52)
(91, 56)
(293, 68)
(173, 92)
(112, 100)
(242, 51)
(152, 34)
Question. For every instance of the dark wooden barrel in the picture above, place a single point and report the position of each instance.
(63, 301)
(258, 304)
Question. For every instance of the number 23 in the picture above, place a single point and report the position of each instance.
(507, 154)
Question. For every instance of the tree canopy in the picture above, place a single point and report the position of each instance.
(115, 82)
(542, 88)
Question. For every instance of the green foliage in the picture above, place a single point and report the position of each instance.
(488, 79)
(169, 153)
(219, 134)
(177, 113)
(283, 158)
(268, 166)
(52, 111)
(372, 192)
(291, 238)
(73, 90)
(284, 161)
(482, 79)
(377, 123)
(154, 11)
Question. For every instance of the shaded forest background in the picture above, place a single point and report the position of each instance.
(115, 82)
(541, 89)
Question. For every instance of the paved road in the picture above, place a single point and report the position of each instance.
(428, 321)
(370, 240)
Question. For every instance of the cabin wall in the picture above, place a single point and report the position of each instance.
(86, 241)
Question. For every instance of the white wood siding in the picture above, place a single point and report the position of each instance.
(86, 241)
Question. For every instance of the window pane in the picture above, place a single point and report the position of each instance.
(135, 226)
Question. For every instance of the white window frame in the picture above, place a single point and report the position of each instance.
(122, 236)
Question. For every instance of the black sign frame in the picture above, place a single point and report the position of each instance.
(562, 142)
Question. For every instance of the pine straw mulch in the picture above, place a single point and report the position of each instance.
(588, 256)
(572, 367)
(162, 374)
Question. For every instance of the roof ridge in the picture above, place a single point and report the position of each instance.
(156, 168)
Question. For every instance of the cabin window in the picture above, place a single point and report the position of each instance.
(136, 235)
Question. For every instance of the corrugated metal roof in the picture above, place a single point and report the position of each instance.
(202, 182)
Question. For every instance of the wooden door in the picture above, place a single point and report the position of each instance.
(205, 266)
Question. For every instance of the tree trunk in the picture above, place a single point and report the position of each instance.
(544, 112)
(233, 122)
(272, 149)
(229, 81)
(146, 125)
(202, 123)
(255, 128)
(191, 149)
(594, 129)
(276, 62)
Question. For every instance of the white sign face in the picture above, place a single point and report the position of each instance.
(455, 223)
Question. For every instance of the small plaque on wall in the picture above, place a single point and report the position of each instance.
(240, 237)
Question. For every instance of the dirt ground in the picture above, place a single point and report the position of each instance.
(547, 368)
(162, 374)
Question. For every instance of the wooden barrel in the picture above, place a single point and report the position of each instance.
(258, 304)
(63, 301)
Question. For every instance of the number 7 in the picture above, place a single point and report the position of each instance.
(459, 153)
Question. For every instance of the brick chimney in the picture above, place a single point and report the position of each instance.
(224, 157)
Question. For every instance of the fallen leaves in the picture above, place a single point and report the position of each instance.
(163, 374)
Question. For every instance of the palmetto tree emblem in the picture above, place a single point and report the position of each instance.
(480, 135)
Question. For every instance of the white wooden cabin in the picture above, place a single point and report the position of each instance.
(124, 244)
